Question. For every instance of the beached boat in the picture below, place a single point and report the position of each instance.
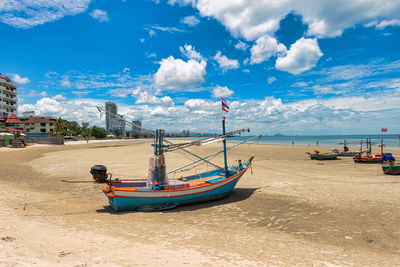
(378, 158)
(323, 156)
(205, 186)
(391, 168)
(158, 193)
(347, 153)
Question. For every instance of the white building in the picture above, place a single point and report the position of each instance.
(8, 97)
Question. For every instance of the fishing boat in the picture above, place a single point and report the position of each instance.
(347, 153)
(323, 156)
(158, 193)
(391, 168)
(369, 158)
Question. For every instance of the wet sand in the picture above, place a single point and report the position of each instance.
(291, 210)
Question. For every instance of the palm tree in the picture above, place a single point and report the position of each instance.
(60, 126)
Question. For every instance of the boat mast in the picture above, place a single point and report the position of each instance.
(225, 158)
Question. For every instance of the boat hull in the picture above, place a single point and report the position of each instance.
(391, 169)
(119, 203)
(323, 156)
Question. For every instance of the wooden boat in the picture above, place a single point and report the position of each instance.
(158, 193)
(347, 153)
(378, 158)
(323, 156)
(391, 168)
(196, 188)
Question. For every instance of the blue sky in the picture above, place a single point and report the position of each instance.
(314, 67)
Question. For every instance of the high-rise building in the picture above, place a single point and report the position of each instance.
(136, 130)
(111, 112)
(114, 121)
(8, 97)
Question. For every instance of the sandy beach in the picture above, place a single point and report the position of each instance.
(287, 210)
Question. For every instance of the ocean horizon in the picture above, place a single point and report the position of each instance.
(390, 141)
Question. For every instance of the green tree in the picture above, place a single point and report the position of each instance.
(98, 132)
(60, 126)
(117, 133)
(73, 128)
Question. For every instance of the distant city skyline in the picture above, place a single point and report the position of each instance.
(292, 67)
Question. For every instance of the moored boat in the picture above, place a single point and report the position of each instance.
(205, 186)
(391, 168)
(323, 156)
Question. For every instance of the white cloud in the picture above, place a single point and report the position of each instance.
(199, 103)
(166, 29)
(302, 56)
(151, 32)
(384, 23)
(241, 45)
(151, 55)
(271, 79)
(26, 14)
(20, 80)
(264, 48)
(43, 93)
(299, 84)
(253, 19)
(225, 63)
(190, 21)
(100, 15)
(59, 97)
(178, 74)
(189, 52)
(143, 97)
(220, 91)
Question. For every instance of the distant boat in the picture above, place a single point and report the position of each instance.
(391, 168)
(323, 156)
(378, 158)
(346, 152)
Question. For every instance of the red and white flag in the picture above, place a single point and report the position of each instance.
(384, 130)
(225, 106)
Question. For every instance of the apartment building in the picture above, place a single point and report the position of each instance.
(8, 97)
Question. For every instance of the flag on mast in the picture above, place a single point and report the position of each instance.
(225, 106)
(384, 130)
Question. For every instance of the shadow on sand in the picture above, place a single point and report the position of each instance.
(239, 194)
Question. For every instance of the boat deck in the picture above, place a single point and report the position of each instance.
(192, 184)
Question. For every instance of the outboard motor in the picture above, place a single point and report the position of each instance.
(99, 173)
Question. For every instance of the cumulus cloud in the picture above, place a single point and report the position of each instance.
(302, 56)
(100, 15)
(190, 21)
(59, 97)
(220, 91)
(143, 97)
(254, 19)
(20, 80)
(26, 14)
(179, 74)
(189, 52)
(264, 48)
(225, 63)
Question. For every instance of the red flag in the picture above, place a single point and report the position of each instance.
(384, 130)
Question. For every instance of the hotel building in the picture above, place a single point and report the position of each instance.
(8, 97)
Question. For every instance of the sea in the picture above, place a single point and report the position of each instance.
(390, 141)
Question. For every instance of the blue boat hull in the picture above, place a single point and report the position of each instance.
(124, 203)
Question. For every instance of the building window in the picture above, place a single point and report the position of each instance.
(42, 130)
(43, 124)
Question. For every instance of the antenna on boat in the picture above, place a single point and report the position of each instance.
(225, 156)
